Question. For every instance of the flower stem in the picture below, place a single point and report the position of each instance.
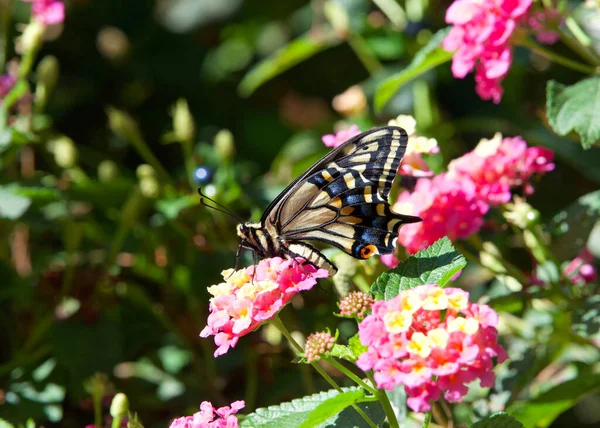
(559, 59)
(364, 53)
(276, 321)
(351, 375)
(393, 11)
(385, 402)
(426, 420)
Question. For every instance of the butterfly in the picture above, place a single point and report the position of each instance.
(342, 200)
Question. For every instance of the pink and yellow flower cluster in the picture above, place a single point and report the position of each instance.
(205, 418)
(480, 38)
(431, 340)
(453, 204)
(251, 296)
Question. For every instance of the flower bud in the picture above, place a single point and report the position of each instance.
(32, 37)
(122, 124)
(356, 305)
(65, 152)
(47, 76)
(490, 258)
(149, 187)
(119, 406)
(145, 171)
(107, 171)
(224, 145)
(183, 122)
(318, 345)
(351, 102)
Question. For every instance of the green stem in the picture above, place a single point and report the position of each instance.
(351, 375)
(385, 402)
(364, 53)
(426, 420)
(559, 59)
(276, 321)
(116, 422)
(393, 11)
(189, 161)
(5, 19)
(97, 410)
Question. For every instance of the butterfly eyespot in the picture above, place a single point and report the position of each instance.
(367, 251)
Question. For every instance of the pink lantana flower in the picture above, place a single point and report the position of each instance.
(205, 418)
(48, 12)
(335, 140)
(480, 38)
(500, 164)
(448, 207)
(7, 81)
(545, 23)
(250, 296)
(433, 341)
(580, 270)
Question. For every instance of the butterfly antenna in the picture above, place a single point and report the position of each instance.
(219, 207)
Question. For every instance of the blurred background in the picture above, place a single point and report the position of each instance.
(106, 252)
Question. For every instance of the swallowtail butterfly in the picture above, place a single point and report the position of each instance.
(342, 200)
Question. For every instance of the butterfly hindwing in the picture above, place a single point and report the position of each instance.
(342, 200)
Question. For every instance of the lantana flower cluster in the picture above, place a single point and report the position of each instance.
(248, 297)
(481, 39)
(211, 417)
(453, 204)
(448, 207)
(500, 164)
(433, 341)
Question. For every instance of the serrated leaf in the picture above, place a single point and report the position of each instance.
(285, 58)
(575, 108)
(12, 206)
(572, 226)
(436, 264)
(293, 414)
(431, 55)
(498, 420)
(543, 410)
(332, 407)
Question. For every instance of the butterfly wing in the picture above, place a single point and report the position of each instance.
(342, 199)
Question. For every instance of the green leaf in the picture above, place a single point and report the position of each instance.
(431, 55)
(296, 412)
(397, 397)
(436, 264)
(356, 346)
(344, 352)
(586, 320)
(543, 410)
(332, 406)
(285, 58)
(572, 226)
(498, 420)
(12, 206)
(575, 108)
(5, 424)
